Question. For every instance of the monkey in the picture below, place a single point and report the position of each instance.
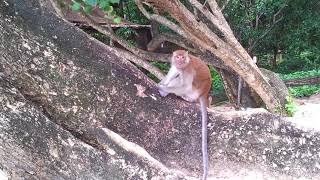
(189, 78)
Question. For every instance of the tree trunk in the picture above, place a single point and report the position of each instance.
(74, 108)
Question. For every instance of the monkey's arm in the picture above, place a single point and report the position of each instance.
(172, 74)
(169, 80)
(174, 86)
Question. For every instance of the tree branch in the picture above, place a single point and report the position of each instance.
(211, 17)
(137, 60)
(160, 19)
(211, 42)
(226, 30)
(154, 28)
(149, 55)
(160, 38)
(137, 55)
(264, 34)
(152, 69)
(186, 32)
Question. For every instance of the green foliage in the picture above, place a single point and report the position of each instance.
(300, 35)
(117, 20)
(306, 90)
(290, 106)
(300, 74)
(101, 37)
(242, 17)
(87, 8)
(114, 1)
(105, 5)
(75, 6)
(131, 13)
(296, 34)
(164, 67)
(127, 34)
(217, 85)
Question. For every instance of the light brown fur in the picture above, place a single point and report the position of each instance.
(190, 78)
(202, 77)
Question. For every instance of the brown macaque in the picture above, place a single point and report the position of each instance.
(190, 78)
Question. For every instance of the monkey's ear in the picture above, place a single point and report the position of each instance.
(187, 53)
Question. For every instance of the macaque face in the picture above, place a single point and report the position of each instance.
(180, 59)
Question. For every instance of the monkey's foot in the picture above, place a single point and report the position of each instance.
(186, 98)
(161, 91)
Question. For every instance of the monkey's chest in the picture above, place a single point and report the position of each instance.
(189, 93)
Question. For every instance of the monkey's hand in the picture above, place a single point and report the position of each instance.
(161, 89)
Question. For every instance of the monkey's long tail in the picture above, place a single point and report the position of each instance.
(204, 131)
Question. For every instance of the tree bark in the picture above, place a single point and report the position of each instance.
(74, 108)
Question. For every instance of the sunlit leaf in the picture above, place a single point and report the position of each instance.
(75, 6)
(108, 9)
(87, 8)
(117, 20)
(103, 4)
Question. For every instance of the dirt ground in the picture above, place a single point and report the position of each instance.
(308, 113)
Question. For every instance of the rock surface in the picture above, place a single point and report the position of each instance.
(69, 109)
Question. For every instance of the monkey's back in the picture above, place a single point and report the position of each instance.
(202, 77)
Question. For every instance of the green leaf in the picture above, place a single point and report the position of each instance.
(103, 4)
(87, 8)
(112, 13)
(114, 1)
(75, 6)
(91, 2)
(108, 9)
(117, 20)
